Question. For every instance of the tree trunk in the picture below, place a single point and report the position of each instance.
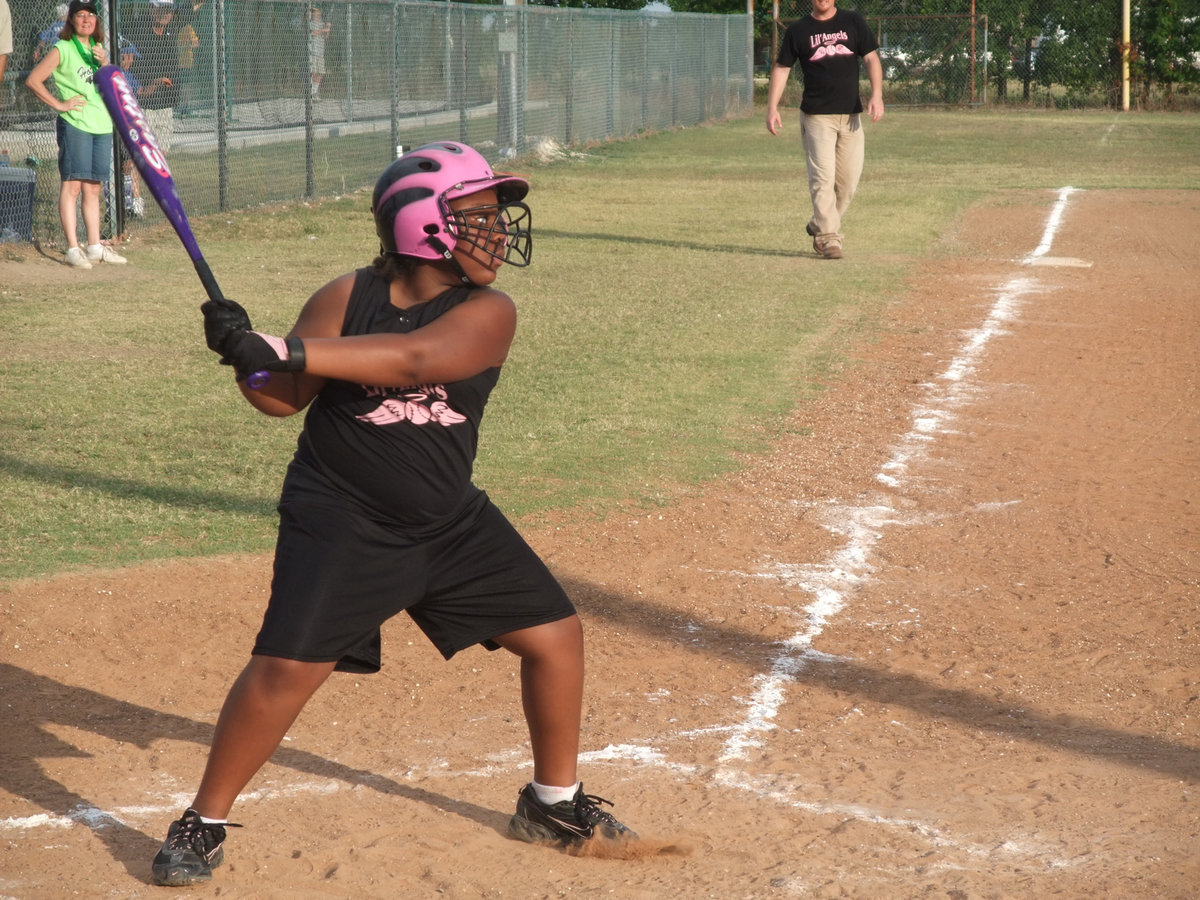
(1028, 69)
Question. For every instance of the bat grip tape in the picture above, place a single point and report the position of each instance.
(207, 279)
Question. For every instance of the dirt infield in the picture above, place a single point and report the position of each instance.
(941, 642)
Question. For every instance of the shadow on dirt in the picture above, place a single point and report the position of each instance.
(877, 684)
(34, 701)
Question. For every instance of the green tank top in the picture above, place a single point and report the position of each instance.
(74, 76)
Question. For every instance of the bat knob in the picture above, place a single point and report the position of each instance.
(258, 379)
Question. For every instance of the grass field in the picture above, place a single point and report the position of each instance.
(672, 317)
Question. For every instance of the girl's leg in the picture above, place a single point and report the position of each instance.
(261, 707)
(551, 695)
(91, 211)
(68, 196)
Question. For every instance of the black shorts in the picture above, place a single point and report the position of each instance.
(339, 575)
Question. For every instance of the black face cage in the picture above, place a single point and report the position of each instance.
(502, 232)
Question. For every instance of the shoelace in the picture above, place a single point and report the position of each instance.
(590, 810)
(185, 838)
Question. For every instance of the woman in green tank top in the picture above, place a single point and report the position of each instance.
(84, 128)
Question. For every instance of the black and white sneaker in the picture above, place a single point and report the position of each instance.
(567, 822)
(191, 851)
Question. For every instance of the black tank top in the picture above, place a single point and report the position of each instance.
(405, 455)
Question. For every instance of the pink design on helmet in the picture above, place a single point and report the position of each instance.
(411, 199)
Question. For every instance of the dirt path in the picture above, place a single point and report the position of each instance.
(942, 642)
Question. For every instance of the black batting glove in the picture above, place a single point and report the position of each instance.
(223, 318)
(249, 352)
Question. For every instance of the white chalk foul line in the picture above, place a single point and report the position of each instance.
(1052, 224)
(169, 807)
(864, 525)
(1021, 849)
(831, 582)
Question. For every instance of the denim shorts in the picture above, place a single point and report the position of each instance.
(82, 156)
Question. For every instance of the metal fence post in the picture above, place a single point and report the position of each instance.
(448, 62)
(645, 71)
(569, 99)
(507, 103)
(394, 79)
(673, 72)
(725, 72)
(221, 101)
(116, 206)
(461, 87)
(349, 62)
(610, 97)
(310, 102)
(522, 73)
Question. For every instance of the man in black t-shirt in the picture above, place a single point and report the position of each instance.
(828, 44)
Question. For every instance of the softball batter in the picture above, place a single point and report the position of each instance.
(378, 515)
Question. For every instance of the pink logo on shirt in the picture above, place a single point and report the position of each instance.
(420, 405)
(832, 50)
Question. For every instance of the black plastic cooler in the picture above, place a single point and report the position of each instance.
(16, 204)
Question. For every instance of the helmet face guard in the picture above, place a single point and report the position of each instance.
(413, 216)
(500, 231)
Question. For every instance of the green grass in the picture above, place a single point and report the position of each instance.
(670, 321)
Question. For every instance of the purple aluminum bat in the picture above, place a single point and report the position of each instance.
(130, 123)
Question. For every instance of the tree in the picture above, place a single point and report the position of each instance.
(1167, 44)
(590, 4)
(1082, 47)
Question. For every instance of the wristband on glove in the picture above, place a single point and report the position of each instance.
(290, 353)
(295, 351)
(255, 355)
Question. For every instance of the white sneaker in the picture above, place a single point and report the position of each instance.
(139, 207)
(101, 253)
(76, 258)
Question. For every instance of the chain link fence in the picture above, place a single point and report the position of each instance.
(281, 100)
(1046, 53)
(933, 59)
(927, 59)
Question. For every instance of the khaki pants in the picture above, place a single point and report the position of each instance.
(162, 123)
(834, 147)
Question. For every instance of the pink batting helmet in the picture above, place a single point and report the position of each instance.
(411, 203)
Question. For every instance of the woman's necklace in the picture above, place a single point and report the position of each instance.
(88, 56)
